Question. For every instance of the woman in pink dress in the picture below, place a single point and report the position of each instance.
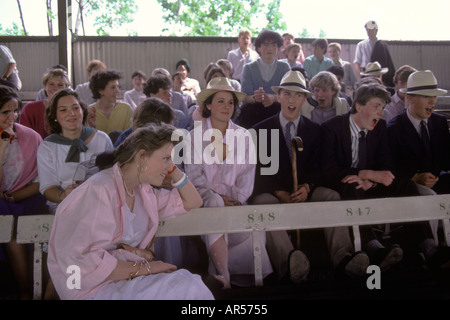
(225, 177)
(102, 231)
(19, 183)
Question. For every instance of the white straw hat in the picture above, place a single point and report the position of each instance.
(215, 85)
(423, 83)
(294, 81)
(374, 69)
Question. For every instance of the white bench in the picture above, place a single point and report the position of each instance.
(35, 229)
(311, 215)
(261, 218)
(6, 228)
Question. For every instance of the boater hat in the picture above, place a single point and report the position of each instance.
(423, 83)
(215, 85)
(374, 69)
(293, 81)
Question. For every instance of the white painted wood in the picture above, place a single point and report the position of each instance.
(6, 228)
(34, 229)
(307, 215)
(260, 218)
(256, 237)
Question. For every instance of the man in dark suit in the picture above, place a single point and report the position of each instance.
(356, 162)
(279, 187)
(420, 145)
(422, 157)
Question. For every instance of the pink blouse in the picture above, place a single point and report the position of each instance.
(234, 176)
(92, 220)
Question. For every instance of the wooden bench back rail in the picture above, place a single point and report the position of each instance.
(261, 218)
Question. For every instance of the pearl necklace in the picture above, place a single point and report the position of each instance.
(130, 194)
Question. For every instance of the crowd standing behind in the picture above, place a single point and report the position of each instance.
(376, 141)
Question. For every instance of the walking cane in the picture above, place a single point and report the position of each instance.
(296, 145)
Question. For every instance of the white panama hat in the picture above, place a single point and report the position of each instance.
(374, 69)
(423, 83)
(294, 81)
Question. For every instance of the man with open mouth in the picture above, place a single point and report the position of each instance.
(420, 145)
(356, 162)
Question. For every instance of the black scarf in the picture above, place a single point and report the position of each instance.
(77, 145)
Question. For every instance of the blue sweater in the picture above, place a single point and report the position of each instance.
(252, 80)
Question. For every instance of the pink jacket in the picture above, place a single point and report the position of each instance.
(90, 222)
(29, 142)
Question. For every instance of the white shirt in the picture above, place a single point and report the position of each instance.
(267, 70)
(237, 59)
(363, 52)
(53, 169)
(354, 133)
(133, 98)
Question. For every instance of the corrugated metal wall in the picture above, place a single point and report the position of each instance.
(34, 55)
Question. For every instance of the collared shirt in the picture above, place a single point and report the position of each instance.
(363, 52)
(267, 70)
(394, 108)
(415, 122)
(238, 60)
(321, 115)
(354, 133)
(313, 66)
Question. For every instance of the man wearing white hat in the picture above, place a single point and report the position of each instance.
(364, 48)
(419, 137)
(420, 145)
(279, 188)
(374, 69)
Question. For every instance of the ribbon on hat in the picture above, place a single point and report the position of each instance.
(375, 70)
(295, 84)
(422, 88)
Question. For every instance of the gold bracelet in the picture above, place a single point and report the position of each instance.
(134, 275)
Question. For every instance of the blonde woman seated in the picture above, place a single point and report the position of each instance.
(228, 181)
(112, 219)
(69, 144)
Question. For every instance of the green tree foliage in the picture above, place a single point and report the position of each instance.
(221, 17)
(108, 14)
(13, 31)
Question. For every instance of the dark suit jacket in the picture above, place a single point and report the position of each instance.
(336, 155)
(408, 151)
(381, 54)
(308, 170)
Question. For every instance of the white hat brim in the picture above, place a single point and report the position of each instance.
(425, 92)
(206, 93)
(375, 73)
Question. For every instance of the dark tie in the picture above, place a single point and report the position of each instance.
(287, 135)
(362, 153)
(426, 143)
